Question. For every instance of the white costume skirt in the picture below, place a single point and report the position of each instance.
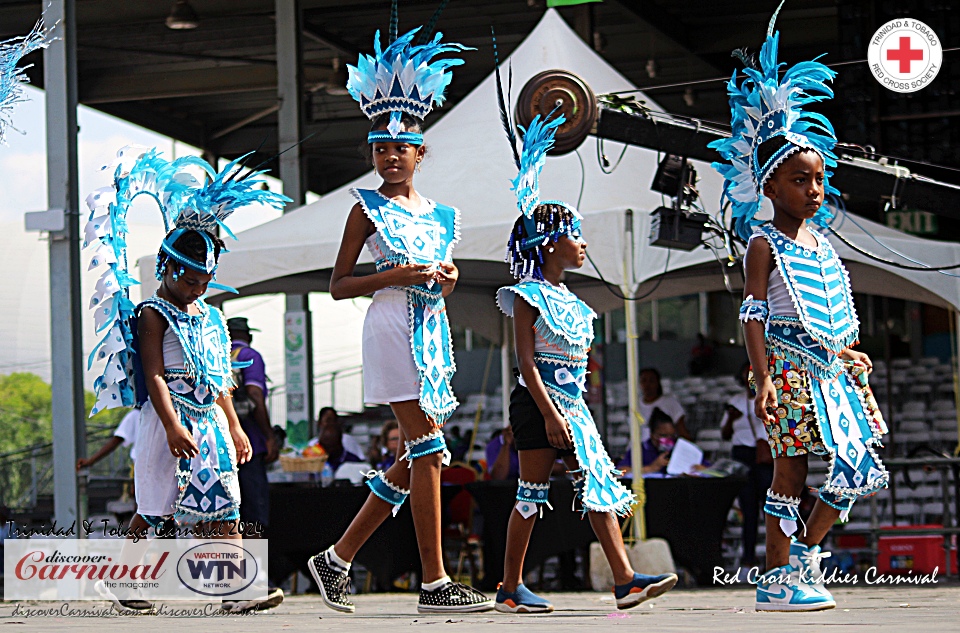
(389, 373)
(155, 469)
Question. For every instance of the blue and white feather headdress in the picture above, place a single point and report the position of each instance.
(766, 106)
(186, 203)
(523, 247)
(12, 77)
(403, 78)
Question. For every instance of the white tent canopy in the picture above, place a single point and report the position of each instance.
(469, 165)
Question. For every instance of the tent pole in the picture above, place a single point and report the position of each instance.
(505, 368)
(639, 523)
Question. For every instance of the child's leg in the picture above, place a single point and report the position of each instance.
(535, 467)
(424, 489)
(607, 528)
(789, 478)
(823, 517)
(374, 511)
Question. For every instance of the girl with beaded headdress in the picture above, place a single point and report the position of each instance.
(407, 348)
(799, 320)
(548, 415)
(170, 355)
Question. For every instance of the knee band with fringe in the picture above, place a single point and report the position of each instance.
(531, 498)
(427, 445)
(787, 509)
(839, 503)
(379, 485)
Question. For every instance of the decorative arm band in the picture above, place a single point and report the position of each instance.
(754, 309)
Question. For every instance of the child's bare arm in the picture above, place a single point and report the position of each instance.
(150, 329)
(758, 263)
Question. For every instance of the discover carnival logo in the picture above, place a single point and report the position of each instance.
(125, 569)
(905, 55)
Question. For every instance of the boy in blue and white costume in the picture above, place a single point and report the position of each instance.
(170, 355)
(799, 321)
(549, 417)
(407, 347)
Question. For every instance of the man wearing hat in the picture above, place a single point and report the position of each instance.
(250, 404)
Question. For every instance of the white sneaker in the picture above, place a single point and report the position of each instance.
(782, 589)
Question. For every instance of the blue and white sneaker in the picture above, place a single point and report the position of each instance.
(521, 601)
(781, 589)
(807, 561)
(642, 588)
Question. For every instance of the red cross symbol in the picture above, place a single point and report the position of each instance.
(905, 54)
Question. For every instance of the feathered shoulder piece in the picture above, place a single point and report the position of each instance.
(763, 107)
(12, 77)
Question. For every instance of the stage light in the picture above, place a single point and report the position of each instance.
(182, 17)
(678, 226)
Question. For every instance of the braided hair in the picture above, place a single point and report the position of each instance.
(553, 221)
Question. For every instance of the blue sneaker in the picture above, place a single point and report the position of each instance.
(521, 601)
(782, 589)
(807, 561)
(643, 588)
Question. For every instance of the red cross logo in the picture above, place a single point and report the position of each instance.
(905, 54)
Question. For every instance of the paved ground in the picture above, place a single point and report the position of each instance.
(911, 609)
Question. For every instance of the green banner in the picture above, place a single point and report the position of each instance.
(567, 3)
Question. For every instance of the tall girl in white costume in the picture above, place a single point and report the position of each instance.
(407, 349)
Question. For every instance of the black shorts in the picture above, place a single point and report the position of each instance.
(529, 427)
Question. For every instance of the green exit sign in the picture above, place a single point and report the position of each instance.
(913, 222)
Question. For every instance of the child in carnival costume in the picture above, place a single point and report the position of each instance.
(170, 355)
(799, 320)
(407, 348)
(548, 414)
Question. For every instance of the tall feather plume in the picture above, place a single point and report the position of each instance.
(394, 23)
(427, 31)
(773, 19)
(504, 106)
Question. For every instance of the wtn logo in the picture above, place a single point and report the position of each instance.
(218, 569)
(224, 569)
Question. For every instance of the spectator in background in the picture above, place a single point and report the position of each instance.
(331, 438)
(125, 434)
(655, 450)
(329, 414)
(389, 444)
(457, 444)
(652, 397)
(250, 403)
(745, 429)
(503, 462)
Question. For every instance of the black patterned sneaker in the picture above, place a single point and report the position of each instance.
(123, 606)
(273, 599)
(333, 581)
(453, 597)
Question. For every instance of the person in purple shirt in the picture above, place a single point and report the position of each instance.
(249, 400)
(250, 403)
(503, 462)
(655, 450)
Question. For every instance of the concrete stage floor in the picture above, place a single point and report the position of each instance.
(908, 608)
